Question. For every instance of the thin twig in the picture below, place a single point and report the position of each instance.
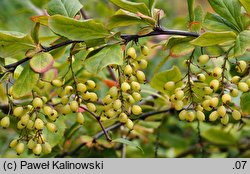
(112, 74)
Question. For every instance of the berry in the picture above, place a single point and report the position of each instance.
(144, 50)
(248, 82)
(123, 118)
(241, 66)
(200, 116)
(179, 94)
(178, 105)
(107, 99)
(235, 79)
(236, 115)
(136, 96)
(46, 148)
(226, 98)
(47, 110)
(57, 83)
(208, 90)
(68, 89)
(90, 84)
(31, 144)
(201, 77)
(20, 148)
(222, 111)
(214, 84)
(214, 102)
(74, 106)
(91, 107)
(213, 116)
(136, 110)
(128, 70)
(217, 72)
(37, 149)
(20, 125)
(203, 59)
(129, 124)
(113, 92)
(190, 116)
(142, 64)
(224, 120)
(130, 99)
(169, 86)
(125, 87)
(30, 125)
(135, 86)
(234, 92)
(39, 124)
(81, 87)
(199, 108)
(93, 97)
(117, 104)
(110, 113)
(25, 119)
(183, 115)
(5, 122)
(51, 127)
(37, 103)
(80, 118)
(65, 110)
(18, 111)
(242, 86)
(140, 76)
(131, 53)
(13, 143)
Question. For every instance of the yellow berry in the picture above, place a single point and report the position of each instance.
(20, 148)
(190, 116)
(214, 102)
(236, 115)
(81, 87)
(183, 115)
(18, 111)
(242, 86)
(131, 53)
(46, 148)
(224, 120)
(57, 83)
(169, 86)
(142, 64)
(5, 122)
(74, 106)
(214, 84)
(200, 116)
(125, 87)
(37, 149)
(117, 104)
(113, 91)
(217, 71)
(201, 77)
(129, 124)
(136, 110)
(91, 107)
(123, 118)
(234, 92)
(203, 59)
(80, 118)
(226, 98)
(221, 111)
(51, 127)
(37, 103)
(144, 50)
(241, 66)
(31, 144)
(39, 124)
(13, 143)
(135, 86)
(136, 96)
(128, 70)
(213, 116)
(140, 76)
(90, 84)
(235, 79)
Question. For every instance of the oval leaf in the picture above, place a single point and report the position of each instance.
(41, 62)
(219, 136)
(158, 81)
(127, 142)
(108, 55)
(25, 83)
(79, 30)
(214, 38)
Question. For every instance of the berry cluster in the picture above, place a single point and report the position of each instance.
(216, 91)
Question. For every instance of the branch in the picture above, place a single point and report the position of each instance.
(158, 31)
(113, 127)
(12, 67)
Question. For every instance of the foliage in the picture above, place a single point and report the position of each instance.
(107, 79)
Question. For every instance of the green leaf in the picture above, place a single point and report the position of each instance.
(217, 23)
(13, 43)
(41, 62)
(229, 10)
(127, 142)
(35, 33)
(79, 30)
(133, 7)
(214, 38)
(64, 7)
(242, 43)
(219, 136)
(245, 102)
(25, 83)
(158, 81)
(246, 5)
(58, 137)
(122, 20)
(111, 54)
(151, 5)
(191, 10)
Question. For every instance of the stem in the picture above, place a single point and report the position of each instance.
(112, 74)
(100, 123)
(158, 31)
(104, 131)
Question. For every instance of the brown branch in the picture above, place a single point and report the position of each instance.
(113, 127)
(99, 122)
(158, 31)
(112, 74)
